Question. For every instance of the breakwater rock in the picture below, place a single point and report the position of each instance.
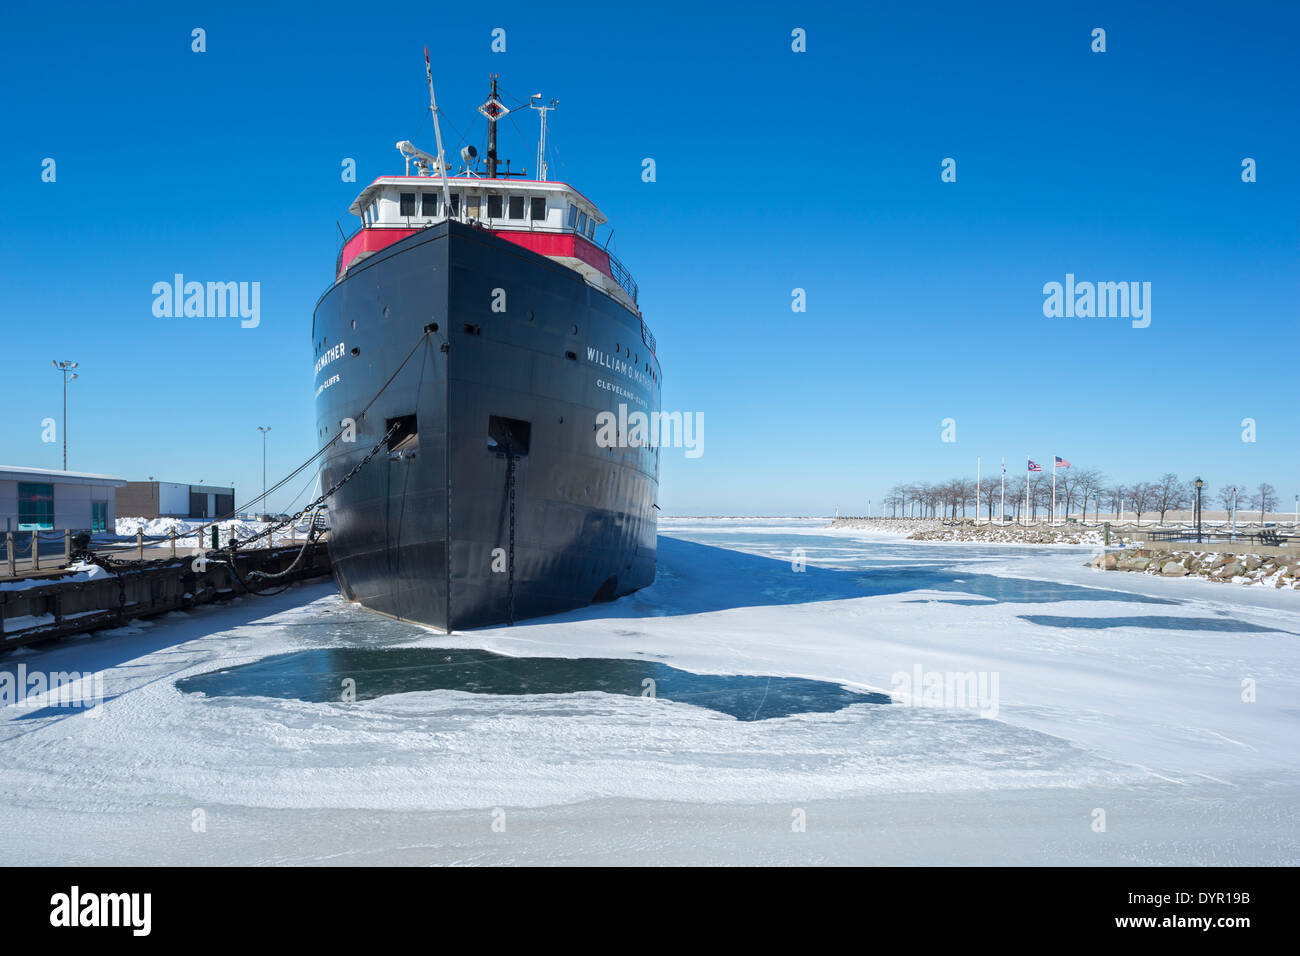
(1253, 569)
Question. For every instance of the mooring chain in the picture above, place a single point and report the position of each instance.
(321, 500)
(510, 567)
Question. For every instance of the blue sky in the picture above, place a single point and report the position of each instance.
(775, 170)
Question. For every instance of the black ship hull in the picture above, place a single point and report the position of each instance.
(492, 499)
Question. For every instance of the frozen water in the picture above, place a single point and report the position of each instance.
(1113, 693)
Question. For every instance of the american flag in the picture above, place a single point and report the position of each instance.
(1061, 462)
(1034, 466)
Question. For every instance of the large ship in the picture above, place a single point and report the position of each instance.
(475, 332)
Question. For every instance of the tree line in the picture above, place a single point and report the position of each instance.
(1078, 491)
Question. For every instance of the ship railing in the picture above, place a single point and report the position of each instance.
(623, 277)
(338, 260)
(648, 338)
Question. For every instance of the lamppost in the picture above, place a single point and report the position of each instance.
(265, 432)
(66, 368)
(1199, 483)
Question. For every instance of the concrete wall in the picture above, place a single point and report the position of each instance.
(8, 505)
(173, 499)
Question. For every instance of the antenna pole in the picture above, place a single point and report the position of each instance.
(437, 132)
(541, 141)
(492, 133)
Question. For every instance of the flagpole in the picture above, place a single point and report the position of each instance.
(1002, 509)
(1053, 515)
(977, 494)
(1027, 459)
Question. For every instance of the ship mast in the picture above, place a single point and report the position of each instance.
(493, 109)
(437, 132)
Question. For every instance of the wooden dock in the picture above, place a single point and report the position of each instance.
(57, 603)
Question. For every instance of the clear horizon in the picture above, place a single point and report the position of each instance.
(775, 171)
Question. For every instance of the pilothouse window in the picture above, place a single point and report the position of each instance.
(539, 208)
(516, 207)
(494, 207)
(582, 223)
(429, 204)
(407, 204)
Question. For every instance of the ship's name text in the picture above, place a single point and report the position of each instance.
(329, 355)
(615, 364)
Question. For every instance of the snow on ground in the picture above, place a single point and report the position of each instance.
(186, 528)
(1116, 695)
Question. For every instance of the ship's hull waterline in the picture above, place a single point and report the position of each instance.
(512, 349)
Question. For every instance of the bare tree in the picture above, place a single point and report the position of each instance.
(1016, 495)
(1066, 489)
(1039, 494)
(1167, 494)
(1116, 495)
(1265, 499)
(1228, 495)
(1143, 497)
(1087, 484)
(990, 492)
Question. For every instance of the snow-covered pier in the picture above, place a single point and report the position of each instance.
(90, 596)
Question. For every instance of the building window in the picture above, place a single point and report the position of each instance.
(407, 204)
(35, 507)
(99, 516)
(494, 206)
(516, 207)
(429, 203)
(539, 208)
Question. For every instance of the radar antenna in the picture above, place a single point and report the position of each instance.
(541, 140)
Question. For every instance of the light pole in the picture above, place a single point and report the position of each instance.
(1199, 483)
(66, 368)
(265, 430)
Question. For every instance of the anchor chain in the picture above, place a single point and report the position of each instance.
(510, 568)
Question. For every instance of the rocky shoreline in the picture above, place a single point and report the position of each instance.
(1209, 565)
(931, 530)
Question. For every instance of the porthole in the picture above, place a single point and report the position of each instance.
(354, 323)
(385, 311)
(574, 330)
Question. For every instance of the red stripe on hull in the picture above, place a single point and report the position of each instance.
(559, 244)
(370, 240)
(544, 243)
